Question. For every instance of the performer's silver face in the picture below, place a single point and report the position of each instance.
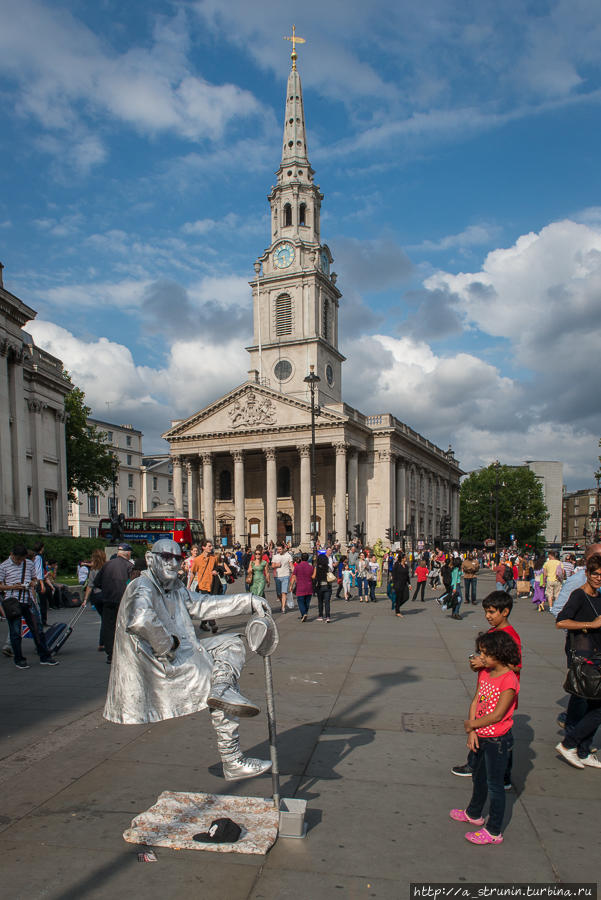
(164, 565)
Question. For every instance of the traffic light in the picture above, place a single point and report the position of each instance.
(387, 533)
(357, 531)
(397, 535)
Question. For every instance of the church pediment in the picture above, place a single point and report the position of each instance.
(249, 408)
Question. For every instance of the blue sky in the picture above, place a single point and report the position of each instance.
(457, 148)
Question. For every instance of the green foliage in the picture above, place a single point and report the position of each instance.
(90, 463)
(522, 509)
(67, 551)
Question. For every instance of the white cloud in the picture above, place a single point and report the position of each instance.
(66, 75)
(195, 372)
(472, 236)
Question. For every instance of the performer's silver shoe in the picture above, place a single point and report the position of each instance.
(244, 767)
(225, 697)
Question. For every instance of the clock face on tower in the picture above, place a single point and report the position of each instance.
(284, 256)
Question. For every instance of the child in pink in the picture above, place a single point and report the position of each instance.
(488, 727)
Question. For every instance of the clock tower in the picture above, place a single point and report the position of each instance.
(295, 298)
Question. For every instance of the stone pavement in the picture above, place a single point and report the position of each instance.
(370, 711)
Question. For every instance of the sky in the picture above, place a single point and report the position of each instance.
(456, 145)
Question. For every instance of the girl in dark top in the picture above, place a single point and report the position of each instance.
(581, 617)
(322, 586)
(401, 580)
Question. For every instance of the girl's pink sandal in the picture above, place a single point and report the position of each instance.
(460, 815)
(484, 837)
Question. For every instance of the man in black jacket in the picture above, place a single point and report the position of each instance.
(112, 581)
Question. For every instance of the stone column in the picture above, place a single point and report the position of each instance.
(208, 496)
(193, 490)
(62, 502)
(239, 497)
(189, 485)
(178, 493)
(353, 488)
(17, 433)
(454, 513)
(401, 494)
(272, 495)
(387, 461)
(340, 498)
(6, 469)
(38, 507)
(305, 496)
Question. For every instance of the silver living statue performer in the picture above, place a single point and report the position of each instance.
(161, 670)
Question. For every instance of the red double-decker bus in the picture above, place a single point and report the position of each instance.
(185, 531)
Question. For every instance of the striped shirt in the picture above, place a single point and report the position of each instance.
(12, 573)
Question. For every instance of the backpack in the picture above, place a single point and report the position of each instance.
(508, 573)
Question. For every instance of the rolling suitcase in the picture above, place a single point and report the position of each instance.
(58, 634)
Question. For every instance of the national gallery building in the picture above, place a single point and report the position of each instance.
(247, 456)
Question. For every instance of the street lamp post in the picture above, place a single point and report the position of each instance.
(497, 466)
(312, 379)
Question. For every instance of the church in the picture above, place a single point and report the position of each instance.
(246, 457)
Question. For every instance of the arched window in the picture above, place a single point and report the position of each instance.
(287, 215)
(326, 315)
(302, 214)
(225, 485)
(284, 481)
(283, 315)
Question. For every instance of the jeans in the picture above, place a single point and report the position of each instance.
(458, 601)
(304, 601)
(471, 585)
(582, 733)
(420, 586)
(489, 768)
(30, 614)
(401, 597)
(372, 591)
(324, 594)
(501, 586)
(362, 585)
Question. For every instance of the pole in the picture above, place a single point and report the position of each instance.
(273, 752)
(497, 464)
(257, 270)
(313, 470)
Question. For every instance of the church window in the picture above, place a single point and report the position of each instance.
(287, 214)
(291, 143)
(292, 121)
(225, 485)
(283, 315)
(284, 481)
(326, 314)
(302, 214)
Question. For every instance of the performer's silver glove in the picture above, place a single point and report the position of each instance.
(260, 606)
(169, 655)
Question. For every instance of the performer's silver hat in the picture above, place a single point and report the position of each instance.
(262, 635)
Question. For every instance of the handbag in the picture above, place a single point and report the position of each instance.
(12, 605)
(584, 672)
(331, 578)
(523, 587)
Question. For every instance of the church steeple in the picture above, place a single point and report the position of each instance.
(296, 300)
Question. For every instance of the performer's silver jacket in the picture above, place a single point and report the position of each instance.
(144, 685)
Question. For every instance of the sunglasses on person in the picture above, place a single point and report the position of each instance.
(166, 556)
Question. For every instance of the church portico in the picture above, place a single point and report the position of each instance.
(373, 472)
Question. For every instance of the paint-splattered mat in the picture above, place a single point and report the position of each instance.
(177, 816)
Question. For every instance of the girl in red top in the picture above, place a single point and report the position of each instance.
(488, 727)
(422, 578)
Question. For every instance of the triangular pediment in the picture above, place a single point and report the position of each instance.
(247, 409)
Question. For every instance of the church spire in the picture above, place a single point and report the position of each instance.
(295, 162)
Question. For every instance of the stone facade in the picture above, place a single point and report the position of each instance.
(581, 517)
(246, 458)
(33, 470)
(550, 475)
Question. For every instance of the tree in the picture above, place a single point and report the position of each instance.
(91, 465)
(522, 510)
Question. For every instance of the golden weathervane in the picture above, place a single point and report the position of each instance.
(295, 40)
